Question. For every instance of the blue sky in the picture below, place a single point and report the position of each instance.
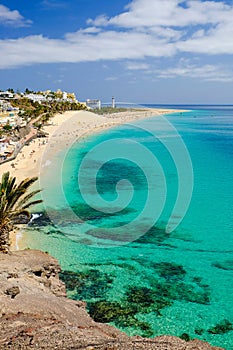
(144, 51)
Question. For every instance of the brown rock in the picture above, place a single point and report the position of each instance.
(12, 291)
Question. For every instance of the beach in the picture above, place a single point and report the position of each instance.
(61, 132)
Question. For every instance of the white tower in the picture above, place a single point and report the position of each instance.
(113, 102)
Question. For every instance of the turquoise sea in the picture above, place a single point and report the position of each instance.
(140, 264)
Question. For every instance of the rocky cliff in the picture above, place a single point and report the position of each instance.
(35, 313)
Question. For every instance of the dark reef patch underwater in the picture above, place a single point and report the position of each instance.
(167, 285)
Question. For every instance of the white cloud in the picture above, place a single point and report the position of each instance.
(167, 13)
(80, 47)
(12, 17)
(166, 33)
(217, 40)
(199, 26)
(146, 28)
(111, 78)
(137, 66)
(99, 21)
(206, 72)
(87, 30)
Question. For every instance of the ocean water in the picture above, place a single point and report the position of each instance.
(140, 219)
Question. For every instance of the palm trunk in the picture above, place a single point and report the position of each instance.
(4, 240)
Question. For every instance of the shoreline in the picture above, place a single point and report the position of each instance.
(63, 130)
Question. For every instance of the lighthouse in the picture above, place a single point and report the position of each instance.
(113, 102)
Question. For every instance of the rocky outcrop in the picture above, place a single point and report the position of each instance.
(35, 313)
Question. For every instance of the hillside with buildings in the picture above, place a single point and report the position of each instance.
(22, 116)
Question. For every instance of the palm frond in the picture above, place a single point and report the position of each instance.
(5, 178)
(25, 184)
(27, 198)
(13, 197)
(15, 215)
(32, 203)
(18, 191)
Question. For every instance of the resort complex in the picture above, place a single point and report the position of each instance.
(22, 116)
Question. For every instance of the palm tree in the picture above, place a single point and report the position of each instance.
(14, 203)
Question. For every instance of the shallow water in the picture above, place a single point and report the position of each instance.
(136, 273)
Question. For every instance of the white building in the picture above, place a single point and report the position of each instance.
(36, 97)
(93, 104)
(6, 95)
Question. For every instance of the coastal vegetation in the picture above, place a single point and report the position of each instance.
(113, 110)
(14, 203)
(33, 110)
(109, 110)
